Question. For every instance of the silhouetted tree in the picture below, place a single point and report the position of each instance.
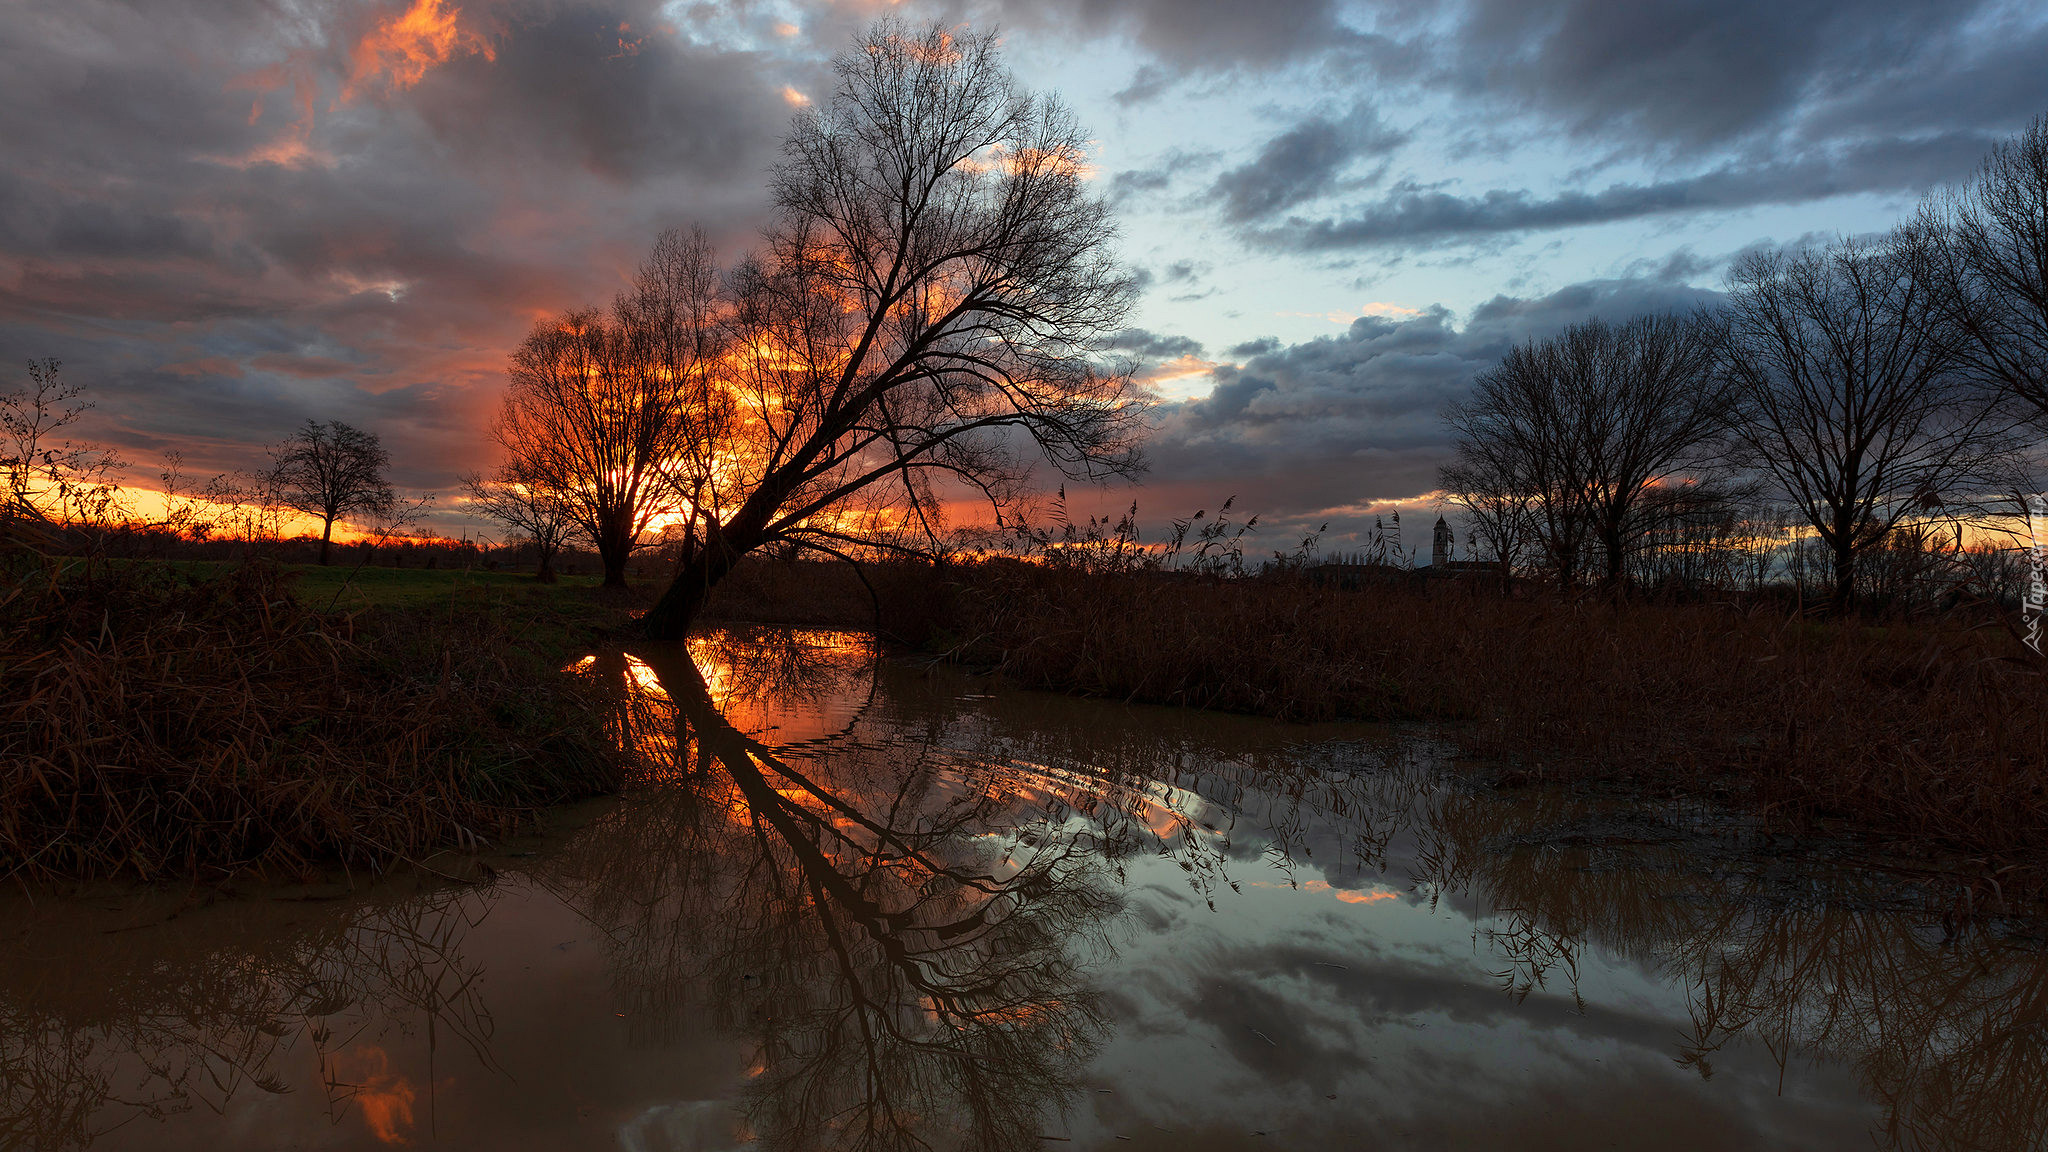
(1983, 251)
(45, 478)
(1585, 425)
(536, 513)
(608, 413)
(330, 471)
(930, 303)
(1499, 515)
(1849, 395)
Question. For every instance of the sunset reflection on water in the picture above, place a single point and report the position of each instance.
(851, 904)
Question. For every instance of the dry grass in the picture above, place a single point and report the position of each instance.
(1932, 734)
(154, 724)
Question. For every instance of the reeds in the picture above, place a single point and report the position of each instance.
(154, 725)
(1931, 734)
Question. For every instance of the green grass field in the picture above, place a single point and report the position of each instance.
(560, 618)
(345, 587)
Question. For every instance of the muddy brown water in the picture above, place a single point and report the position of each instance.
(849, 903)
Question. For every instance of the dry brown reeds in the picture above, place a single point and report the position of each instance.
(1931, 733)
(152, 724)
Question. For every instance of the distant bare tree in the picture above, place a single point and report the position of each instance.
(931, 304)
(331, 471)
(1707, 536)
(1499, 515)
(1849, 396)
(1515, 434)
(534, 512)
(610, 414)
(1983, 251)
(1585, 425)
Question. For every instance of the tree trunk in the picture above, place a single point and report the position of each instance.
(613, 550)
(1566, 561)
(1844, 597)
(326, 540)
(546, 572)
(671, 616)
(1610, 539)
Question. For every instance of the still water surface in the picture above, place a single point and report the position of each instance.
(852, 904)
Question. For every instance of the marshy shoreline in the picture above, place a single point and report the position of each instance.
(169, 722)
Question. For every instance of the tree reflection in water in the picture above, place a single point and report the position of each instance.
(1948, 1030)
(903, 903)
(901, 931)
(95, 1038)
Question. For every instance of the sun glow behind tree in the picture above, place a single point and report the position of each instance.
(931, 313)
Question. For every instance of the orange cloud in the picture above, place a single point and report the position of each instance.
(1377, 308)
(294, 147)
(402, 48)
(1184, 377)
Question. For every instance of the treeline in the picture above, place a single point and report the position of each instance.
(1854, 416)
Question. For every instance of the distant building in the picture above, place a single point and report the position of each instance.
(1440, 545)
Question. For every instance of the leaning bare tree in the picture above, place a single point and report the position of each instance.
(1589, 425)
(535, 512)
(1983, 251)
(929, 309)
(1849, 396)
(332, 471)
(609, 412)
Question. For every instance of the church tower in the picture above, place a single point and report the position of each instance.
(1440, 546)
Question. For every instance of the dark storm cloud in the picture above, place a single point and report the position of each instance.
(1316, 431)
(224, 222)
(1131, 183)
(1410, 215)
(1206, 35)
(1148, 345)
(1738, 102)
(1691, 72)
(1303, 163)
(600, 85)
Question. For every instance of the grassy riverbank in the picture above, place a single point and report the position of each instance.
(176, 720)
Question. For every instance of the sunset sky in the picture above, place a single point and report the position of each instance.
(227, 216)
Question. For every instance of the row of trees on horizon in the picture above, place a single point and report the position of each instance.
(1869, 395)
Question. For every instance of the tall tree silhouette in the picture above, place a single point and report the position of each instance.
(930, 303)
(534, 511)
(1984, 251)
(607, 410)
(1849, 394)
(1586, 425)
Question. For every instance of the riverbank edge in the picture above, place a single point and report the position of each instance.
(1805, 727)
(159, 723)
(1926, 740)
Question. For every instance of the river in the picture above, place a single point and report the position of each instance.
(853, 903)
